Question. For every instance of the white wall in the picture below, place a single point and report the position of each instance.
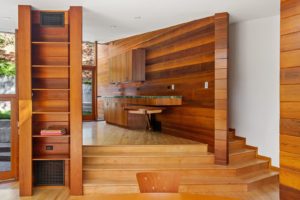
(254, 83)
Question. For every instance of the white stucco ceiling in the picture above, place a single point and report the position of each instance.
(106, 20)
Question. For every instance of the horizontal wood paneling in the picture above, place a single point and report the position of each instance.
(290, 100)
(183, 55)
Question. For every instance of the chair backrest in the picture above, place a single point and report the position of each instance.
(158, 182)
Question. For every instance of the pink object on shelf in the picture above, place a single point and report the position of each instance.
(53, 132)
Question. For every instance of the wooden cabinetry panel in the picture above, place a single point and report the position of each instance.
(127, 67)
(53, 101)
(114, 112)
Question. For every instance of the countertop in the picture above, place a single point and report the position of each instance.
(143, 97)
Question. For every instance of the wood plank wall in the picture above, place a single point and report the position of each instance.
(183, 55)
(290, 100)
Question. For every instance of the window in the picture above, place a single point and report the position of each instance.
(88, 54)
(7, 64)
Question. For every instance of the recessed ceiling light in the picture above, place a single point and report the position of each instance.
(137, 17)
(6, 18)
(113, 26)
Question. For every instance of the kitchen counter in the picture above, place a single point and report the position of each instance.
(146, 100)
(144, 97)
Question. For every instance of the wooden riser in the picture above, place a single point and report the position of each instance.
(260, 165)
(242, 155)
(189, 148)
(149, 159)
(236, 144)
(131, 174)
(102, 189)
(125, 171)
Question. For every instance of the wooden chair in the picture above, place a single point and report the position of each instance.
(158, 182)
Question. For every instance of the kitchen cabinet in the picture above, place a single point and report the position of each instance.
(127, 67)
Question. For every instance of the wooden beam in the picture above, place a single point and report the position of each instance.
(221, 92)
(25, 102)
(75, 14)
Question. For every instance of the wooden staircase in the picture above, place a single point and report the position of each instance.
(112, 169)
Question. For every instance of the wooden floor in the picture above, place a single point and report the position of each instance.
(101, 133)
(10, 191)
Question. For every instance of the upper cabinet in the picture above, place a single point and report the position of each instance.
(128, 67)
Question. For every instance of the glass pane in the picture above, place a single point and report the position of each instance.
(87, 92)
(88, 54)
(5, 132)
(7, 64)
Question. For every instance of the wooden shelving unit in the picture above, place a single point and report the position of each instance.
(50, 94)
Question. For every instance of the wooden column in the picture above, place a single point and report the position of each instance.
(221, 93)
(75, 15)
(290, 100)
(25, 102)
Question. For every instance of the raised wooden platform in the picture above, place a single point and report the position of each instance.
(112, 168)
(101, 133)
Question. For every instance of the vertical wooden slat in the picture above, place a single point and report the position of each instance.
(290, 100)
(221, 93)
(75, 14)
(25, 103)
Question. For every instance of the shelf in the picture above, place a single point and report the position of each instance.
(49, 113)
(51, 66)
(52, 157)
(48, 42)
(50, 89)
(51, 136)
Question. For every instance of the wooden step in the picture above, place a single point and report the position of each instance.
(231, 134)
(261, 178)
(187, 148)
(236, 143)
(188, 184)
(148, 158)
(118, 172)
(197, 184)
(123, 172)
(242, 155)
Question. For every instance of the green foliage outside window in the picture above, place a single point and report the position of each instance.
(7, 59)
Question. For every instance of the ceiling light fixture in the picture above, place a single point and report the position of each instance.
(113, 26)
(137, 17)
(6, 18)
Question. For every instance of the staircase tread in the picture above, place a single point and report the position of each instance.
(241, 151)
(147, 154)
(231, 140)
(255, 176)
(145, 145)
(170, 166)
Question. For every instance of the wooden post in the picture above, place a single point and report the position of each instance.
(75, 20)
(221, 92)
(25, 100)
